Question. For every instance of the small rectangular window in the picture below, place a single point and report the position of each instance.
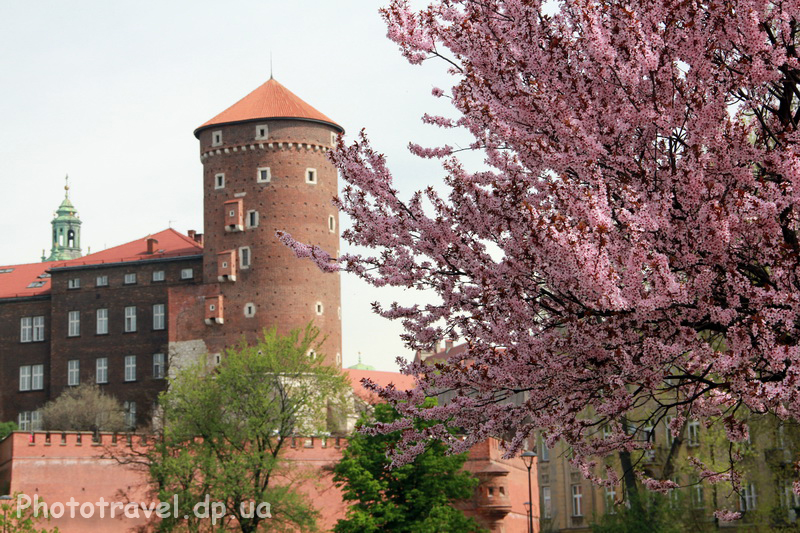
(102, 321)
(130, 368)
(693, 433)
(130, 279)
(263, 175)
(244, 257)
(159, 365)
(187, 273)
(73, 373)
(130, 414)
(37, 377)
(577, 500)
(262, 132)
(311, 175)
(74, 323)
(25, 378)
(158, 316)
(130, 319)
(158, 275)
(26, 329)
(36, 284)
(219, 181)
(101, 370)
(38, 329)
(74, 283)
(252, 219)
(24, 421)
(101, 281)
(547, 505)
(216, 138)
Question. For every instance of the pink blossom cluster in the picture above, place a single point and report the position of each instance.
(635, 241)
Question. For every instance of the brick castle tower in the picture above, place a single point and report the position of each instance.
(265, 169)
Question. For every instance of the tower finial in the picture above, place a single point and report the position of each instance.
(66, 186)
(270, 65)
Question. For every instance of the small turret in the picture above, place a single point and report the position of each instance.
(66, 230)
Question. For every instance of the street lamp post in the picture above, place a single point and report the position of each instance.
(527, 458)
(3, 499)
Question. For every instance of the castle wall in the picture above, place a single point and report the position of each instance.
(58, 466)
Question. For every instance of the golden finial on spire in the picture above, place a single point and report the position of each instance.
(66, 185)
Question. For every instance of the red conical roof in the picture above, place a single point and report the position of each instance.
(270, 100)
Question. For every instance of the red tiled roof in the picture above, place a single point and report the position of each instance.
(16, 283)
(270, 100)
(401, 382)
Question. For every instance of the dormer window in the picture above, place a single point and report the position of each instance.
(219, 181)
(216, 138)
(311, 176)
(262, 132)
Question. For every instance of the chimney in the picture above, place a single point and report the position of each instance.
(151, 245)
(196, 237)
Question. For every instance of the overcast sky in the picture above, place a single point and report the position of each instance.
(110, 92)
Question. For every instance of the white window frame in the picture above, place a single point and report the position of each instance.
(577, 500)
(130, 414)
(38, 329)
(547, 503)
(262, 132)
(130, 319)
(249, 309)
(101, 281)
(37, 377)
(73, 324)
(24, 420)
(254, 215)
(693, 433)
(25, 378)
(219, 180)
(159, 317)
(130, 368)
(26, 329)
(544, 451)
(311, 176)
(268, 172)
(101, 315)
(331, 223)
(319, 308)
(73, 372)
(610, 497)
(748, 500)
(101, 370)
(74, 283)
(159, 366)
(333, 138)
(245, 251)
(129, 279)
(187, 273)
(216, 138)
(158, 275)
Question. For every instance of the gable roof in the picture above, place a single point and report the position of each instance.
(16, 281)
(269, 100)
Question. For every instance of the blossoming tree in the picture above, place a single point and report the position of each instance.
(635, 241)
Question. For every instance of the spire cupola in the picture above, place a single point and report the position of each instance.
(66, 230)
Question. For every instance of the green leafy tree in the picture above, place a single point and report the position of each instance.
(14, 519)
(225, 428)
(416, 497)
(6, 428)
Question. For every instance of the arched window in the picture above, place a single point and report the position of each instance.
(71, 239)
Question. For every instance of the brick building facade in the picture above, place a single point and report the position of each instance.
(121, 317)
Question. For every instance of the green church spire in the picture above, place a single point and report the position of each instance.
(66, 230)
